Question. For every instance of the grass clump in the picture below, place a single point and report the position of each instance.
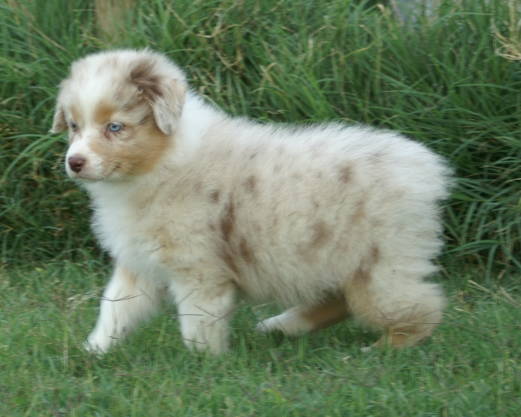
(438, 79)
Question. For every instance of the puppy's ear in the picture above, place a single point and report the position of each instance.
(58, 122)
(166, 95)
(168, 106)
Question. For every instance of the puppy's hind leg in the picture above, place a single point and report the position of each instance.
(303, 319)
(125, 302)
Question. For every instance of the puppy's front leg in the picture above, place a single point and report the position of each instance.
(204, 313)
(127, 300)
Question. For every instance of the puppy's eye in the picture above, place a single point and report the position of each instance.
(73, 125)
(114, 127)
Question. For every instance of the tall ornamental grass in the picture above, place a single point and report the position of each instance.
(444, 79)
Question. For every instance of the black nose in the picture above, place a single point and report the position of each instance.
(76, 163)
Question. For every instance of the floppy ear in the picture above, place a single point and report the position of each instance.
(168, 106)
(58, 122)
(165, 95)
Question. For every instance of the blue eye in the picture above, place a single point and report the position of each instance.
(114, 127)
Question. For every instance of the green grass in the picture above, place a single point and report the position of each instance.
(439, 80)
(470, 367)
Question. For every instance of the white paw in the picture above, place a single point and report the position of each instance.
(288, 323)
(206, 338)
(268, 325)
(96, 346)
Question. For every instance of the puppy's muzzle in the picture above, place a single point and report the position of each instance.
(76, 163)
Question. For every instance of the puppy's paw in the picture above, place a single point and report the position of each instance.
(288, 323)
(268, 325)
(95, 346)
(206, 338)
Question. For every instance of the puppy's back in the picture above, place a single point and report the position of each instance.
(310, 204)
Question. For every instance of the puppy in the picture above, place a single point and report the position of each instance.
(329, 221)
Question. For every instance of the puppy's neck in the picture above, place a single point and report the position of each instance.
(197, 119)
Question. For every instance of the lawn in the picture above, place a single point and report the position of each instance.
(470, 367)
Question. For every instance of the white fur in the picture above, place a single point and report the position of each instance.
(81, 146)
(301, 213)
(289, 322)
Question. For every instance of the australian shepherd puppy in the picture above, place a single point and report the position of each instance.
(195, 206)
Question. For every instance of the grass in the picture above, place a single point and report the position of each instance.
(448, 81)
(471, 366)
(452, 81)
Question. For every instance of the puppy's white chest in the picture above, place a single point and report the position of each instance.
(129, 237)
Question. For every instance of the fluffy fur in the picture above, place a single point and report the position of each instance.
(198, 207)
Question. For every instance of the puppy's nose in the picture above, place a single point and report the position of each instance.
(76, 163)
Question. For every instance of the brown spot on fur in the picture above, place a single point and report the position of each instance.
(359, 212)
(327, 313)
(250, 184)
(228, 221)
(246, 252)
(361, 276)
(103, 112)
(133, 104)
(215, 195)
(133, 157)
(357, 292)
(375, 254)
(143, 77)
(321, 234)
(345, 174)
(229, 261)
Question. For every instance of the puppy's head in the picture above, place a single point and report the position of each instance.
(121, 109)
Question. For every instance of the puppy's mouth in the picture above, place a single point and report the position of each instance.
(83, 177)
(89, 177)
